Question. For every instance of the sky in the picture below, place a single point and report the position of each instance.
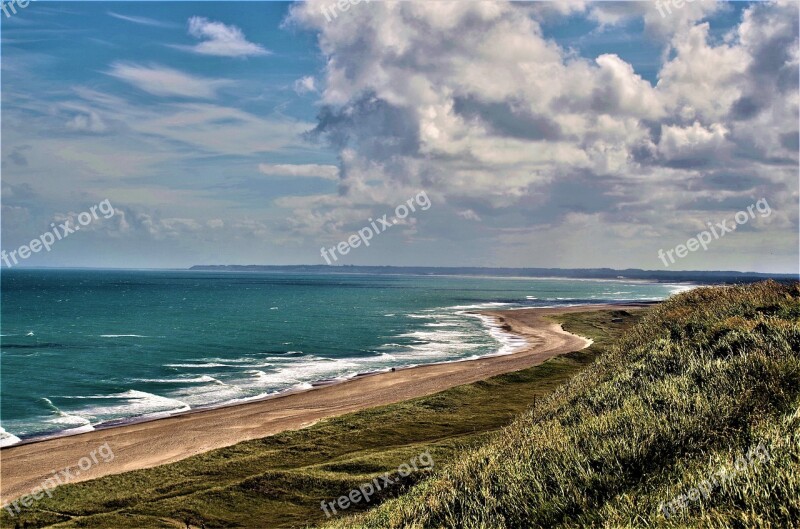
(564, 134)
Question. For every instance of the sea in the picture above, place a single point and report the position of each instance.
(88, 349)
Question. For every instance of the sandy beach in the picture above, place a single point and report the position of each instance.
(153, 443)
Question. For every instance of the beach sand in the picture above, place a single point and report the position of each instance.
(148, 444)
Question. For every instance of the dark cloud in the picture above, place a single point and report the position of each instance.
(509, 119)
(773, 69)
(791, 141)
(377, 128)
(17, 156)
(747, 107)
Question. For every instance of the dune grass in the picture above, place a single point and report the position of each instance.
(279, 481)
(699, 382)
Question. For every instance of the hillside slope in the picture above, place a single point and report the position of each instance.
(691, 420)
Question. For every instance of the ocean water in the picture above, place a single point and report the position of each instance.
(84, 349)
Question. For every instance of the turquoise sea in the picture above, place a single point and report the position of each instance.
(82, 349)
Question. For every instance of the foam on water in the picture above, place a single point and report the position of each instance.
(491, 305)
(8, 439)
(678, 288)
(260, 377)
(201, 364)
(207, 394)
(435, 336)
(182, 380)
(246, 399)
(509, 343)
(66, 421)
(131, 403)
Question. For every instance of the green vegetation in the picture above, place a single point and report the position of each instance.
(699, 381)
(279, 481)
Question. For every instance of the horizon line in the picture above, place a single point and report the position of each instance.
(344, 266)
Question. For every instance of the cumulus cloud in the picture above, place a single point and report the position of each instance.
(305, 85)
(692, 144)
(520, 140)
(472, 101)
(662, 20)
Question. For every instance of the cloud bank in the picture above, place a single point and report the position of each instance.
(472, 102)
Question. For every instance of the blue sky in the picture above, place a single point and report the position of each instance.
(257, 132)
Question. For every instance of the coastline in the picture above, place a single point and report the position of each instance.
(508, 342)
(152, 442)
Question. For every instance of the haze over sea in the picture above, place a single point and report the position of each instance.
(87, 348)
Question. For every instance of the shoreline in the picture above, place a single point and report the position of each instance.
(492, 329)
(151, 442)
(483, 315)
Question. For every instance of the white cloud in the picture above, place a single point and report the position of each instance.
(222, 130)
(166, 82)
(88, 122)
(158, 140)
(625, 91)
(692, 143)
(661, 18)
(205, 128)
(143, 21)
(468, 214)
(508, 123)
(475, 104)
(221, 40)
(693, 90)
(305, 85)
(329, 172)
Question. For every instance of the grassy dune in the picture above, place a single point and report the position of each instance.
(279, 481)
(699, 382)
